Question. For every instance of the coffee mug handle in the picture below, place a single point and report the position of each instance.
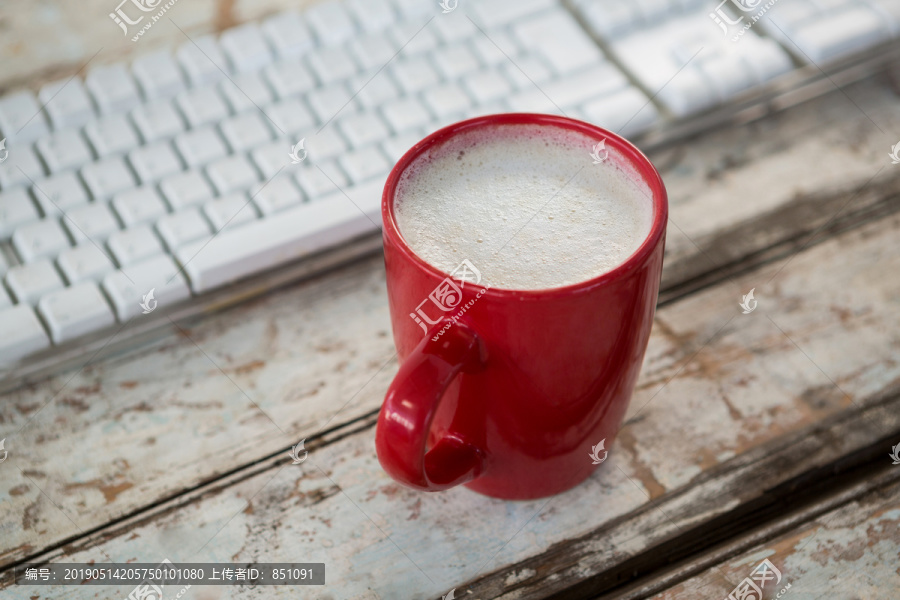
(411, 403)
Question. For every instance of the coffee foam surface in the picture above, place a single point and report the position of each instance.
(525, 204)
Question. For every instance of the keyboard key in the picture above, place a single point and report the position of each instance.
(288, 34)
(111, 134)
(229, 211)
(107, 177)
(397, 146)
(373, 51)
(154, 161)
(890, 12)
(331, 64)
(75, 311)
(363, 128)
(59, 193)
(200, 146)
(574, 89)
(272, 158)
(841, 33)
(16, 208)
(526, 73)
(39, 239)
(406, 114)
(202, 105)
(494, 13)
(86, 262)
(328, 143)
(21, 118)
(653, 9)
(289, 117)
(92, 222)
(725, 74)
(28, 283)
(374, 89)
(453, 27)
(611, 19)
(626, 112)
(487, 86)
(246, 131)
(202, 60)
(491, 108)
(455, 61)
(767, 60)
(668, 61)
(113, 88)
(66, 103)
(245, 47)
(496, 48)
(413, 75)
(23, 334)
(157, 120)
(295, 233)
(182, 227)
(277, 195)
(134, 245)
(186, 189)
(414, 8)
(20, 167)
(559, 40)
(320, 180)
(232, 174)
(246, 91)
(139, 205)
(687, 92)
(158, 75)
(362, 165)
(127, 288)
(790, 15)
(63, 150)
(446, 100)
(327, 101)
(413, 37)
(373, 15)
(330, 22)
(289, 78)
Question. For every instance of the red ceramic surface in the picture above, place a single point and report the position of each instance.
(511, 398)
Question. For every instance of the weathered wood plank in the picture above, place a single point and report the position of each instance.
(301, 354)
(850, 552)
(730, 508)
(745, 195)
(236, 386)
(701, 410)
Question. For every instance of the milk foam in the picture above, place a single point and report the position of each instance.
(525, 204)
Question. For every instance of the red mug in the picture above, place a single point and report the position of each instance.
(511, 397)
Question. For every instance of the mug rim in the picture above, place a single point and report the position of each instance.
(633, 156)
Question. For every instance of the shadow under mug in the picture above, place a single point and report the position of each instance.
(511, 398)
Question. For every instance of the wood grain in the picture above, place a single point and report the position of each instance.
(849, 552)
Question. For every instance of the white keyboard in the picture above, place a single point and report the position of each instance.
(147, 187)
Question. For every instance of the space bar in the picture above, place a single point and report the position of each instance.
(282, 237)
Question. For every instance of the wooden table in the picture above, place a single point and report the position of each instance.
(750, 436)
